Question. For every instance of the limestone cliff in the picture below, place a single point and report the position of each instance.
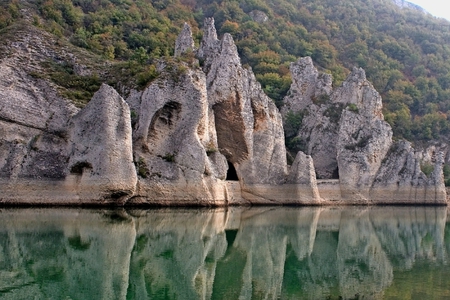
(364, 137)
(248, 124)
(346, 135)
(175, 148)
(309, 97)
(100, 150)
(400, 177)
(202, 133)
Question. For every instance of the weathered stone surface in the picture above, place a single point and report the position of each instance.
(400, 178)
(308, 85)
(184, 42)
(347, 137)
(100, 149)
(175, 149)
(309, 96)
(319, 137)
(192, 128)
(33, 122)
(210, 45)
(258, 16)
(302, 174)
(248, 125)
(364, 137)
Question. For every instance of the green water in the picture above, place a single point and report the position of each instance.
(236, 253)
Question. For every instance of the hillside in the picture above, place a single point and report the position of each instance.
(404, 51)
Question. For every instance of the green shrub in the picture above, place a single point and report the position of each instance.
(210, 148)
(334, 112)
(169, 157)
(141, 168)
(426, 168)
(353, 108)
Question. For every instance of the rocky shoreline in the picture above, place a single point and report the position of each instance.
(205, 134)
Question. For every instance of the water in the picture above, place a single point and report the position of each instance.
(236, 253)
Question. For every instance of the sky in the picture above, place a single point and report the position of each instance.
(438, 8)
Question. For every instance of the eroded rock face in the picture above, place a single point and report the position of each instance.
(318, 136)
(33, 128)
(33, 122)
(309, 96)
(184, 42)
(248, 124)
(308, 85)
(364, 137)
(193, 127)
(345, 133)
(401, 178)
(175, 150)
(100, 151)
(210, 45)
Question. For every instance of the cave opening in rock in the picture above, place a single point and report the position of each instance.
(231, 173)
(335, 174)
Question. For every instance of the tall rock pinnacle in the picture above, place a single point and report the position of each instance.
(184, 42)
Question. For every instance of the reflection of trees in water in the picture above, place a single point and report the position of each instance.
(216, 254)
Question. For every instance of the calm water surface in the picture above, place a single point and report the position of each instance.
(238, 253)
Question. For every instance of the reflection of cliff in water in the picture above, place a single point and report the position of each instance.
(257, 253)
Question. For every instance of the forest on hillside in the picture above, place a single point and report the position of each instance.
(404, 51)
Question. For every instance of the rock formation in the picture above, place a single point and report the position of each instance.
(175, 149)
(248, 124)
(364, 137)
(400, 177)
(202, 133)
(347, 137)
(309, 97)
(100, 149)
(308, 86)
(184, 42)
(258, 16)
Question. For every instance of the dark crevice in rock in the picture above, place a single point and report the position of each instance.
(21, 123)
(118, 194)
(335, 174)
(231, 173)
(78, 168)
